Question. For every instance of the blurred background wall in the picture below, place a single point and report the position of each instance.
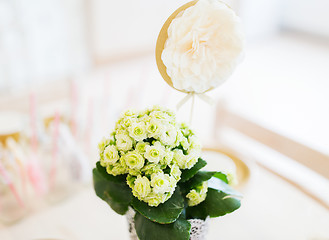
(43, 40)
(40, 41)
(282, 83)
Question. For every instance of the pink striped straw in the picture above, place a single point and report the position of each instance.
(6, 177)
(54, 150)
(74, 104)
(89, 125)
(15, 148)
(33, 169)
(35, 175)
(23, 179)
(33, 121)
(106, 100)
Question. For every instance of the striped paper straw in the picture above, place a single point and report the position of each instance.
(11, 186)
(54, 150)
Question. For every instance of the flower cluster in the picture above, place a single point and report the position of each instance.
(152, 149)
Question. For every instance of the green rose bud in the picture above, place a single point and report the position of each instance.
(159, 115)
(110, 155)
(195, 146)
(123, 142)
(186, 130)
(154, 128)
(168, 157)
(194, 198)
(172, 184)
(179, 158)
(161, 183)
(151, 168)
(130, 113)
(190, 162)
(168, 136)
(232, 178)
(103, 144)
(127, 122)
(138, 131)
(134, 172)
(198, 195)
(134, 160)
(175, 172)
(184, 143)
(141, 187)
(155, 152)
(116, 169)
(141, 147)
(154, 199)
(131, 181)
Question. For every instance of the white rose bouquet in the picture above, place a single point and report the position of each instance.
(152, 164)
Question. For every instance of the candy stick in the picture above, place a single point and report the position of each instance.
(55, 150)
(8, 181)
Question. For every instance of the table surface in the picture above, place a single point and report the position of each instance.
(271, 209)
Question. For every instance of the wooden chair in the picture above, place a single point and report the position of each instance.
(308, 157)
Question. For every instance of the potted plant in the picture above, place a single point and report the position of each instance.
(150, 169)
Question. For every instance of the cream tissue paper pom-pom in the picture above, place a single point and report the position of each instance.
(204, 45)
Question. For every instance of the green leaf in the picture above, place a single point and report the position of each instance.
(217, 203)
(166, 212)
(112, 190)
(220, 185)
(221, 176)
(148, 230)
(196, 180)
(189, 173)
(120, 208)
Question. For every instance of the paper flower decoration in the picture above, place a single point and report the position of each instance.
(203, 46)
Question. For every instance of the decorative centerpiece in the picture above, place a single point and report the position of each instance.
(150, 169)
(150, 165)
